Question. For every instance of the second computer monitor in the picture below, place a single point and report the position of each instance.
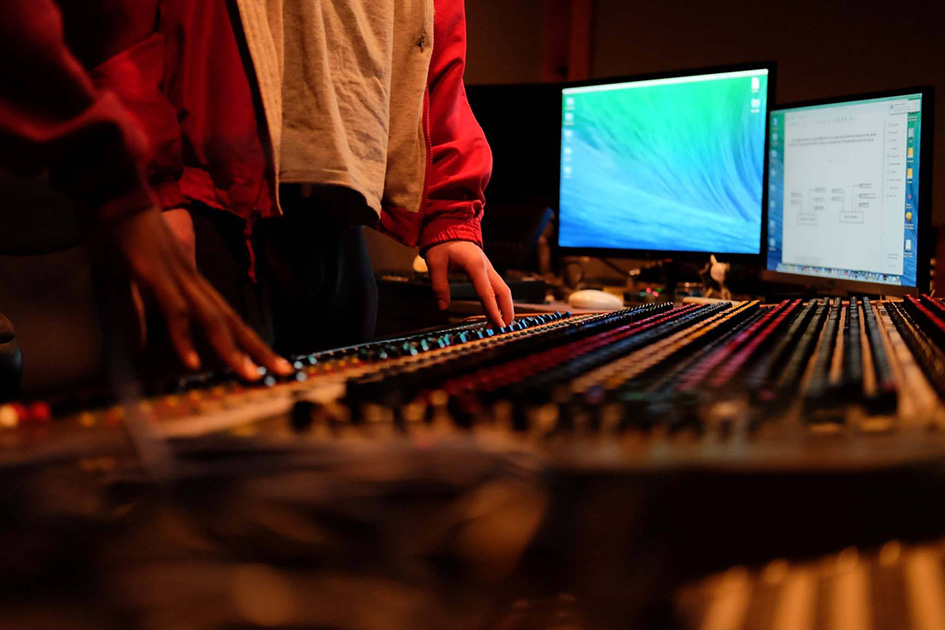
(667, 165)
(848, 191)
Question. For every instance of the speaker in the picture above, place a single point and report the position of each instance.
(11, 361)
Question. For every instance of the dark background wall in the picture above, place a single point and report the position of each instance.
(505, 41)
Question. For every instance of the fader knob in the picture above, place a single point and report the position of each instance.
(301, 416)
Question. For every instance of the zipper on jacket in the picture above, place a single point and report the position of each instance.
(428, 174)
(423, 40)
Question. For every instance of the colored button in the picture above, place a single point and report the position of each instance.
(9, 416)
(39, 413)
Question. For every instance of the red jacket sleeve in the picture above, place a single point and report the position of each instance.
(127, 53)
(135, 75)
(52, 117)
(461, 159)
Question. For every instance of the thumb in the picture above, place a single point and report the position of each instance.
(439, 272)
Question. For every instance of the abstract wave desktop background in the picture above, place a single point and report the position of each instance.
(672, 167)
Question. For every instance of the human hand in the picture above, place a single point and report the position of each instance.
(467, 257)
(165, 275)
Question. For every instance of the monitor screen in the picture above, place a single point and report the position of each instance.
(665, 165)
(844, 190)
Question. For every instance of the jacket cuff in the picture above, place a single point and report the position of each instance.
(443, 229)
(415, 230)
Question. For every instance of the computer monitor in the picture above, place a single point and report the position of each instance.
(849, 192)
(669, 165)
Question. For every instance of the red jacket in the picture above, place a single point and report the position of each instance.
(52, 117)
(192, 85)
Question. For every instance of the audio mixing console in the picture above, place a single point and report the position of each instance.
(785, 430)
(720, 371)
(742, 373)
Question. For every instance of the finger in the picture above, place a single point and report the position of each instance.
(503, 295)
(246, 337)
(177, 316)
(480, 280)
(439, 277)
(216, 328)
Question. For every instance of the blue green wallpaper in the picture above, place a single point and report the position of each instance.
(672, 166)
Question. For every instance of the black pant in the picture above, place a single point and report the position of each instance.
(314, 286)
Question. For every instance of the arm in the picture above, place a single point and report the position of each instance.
(451, 236)
(135, 75)
(52, 117)
(461, 158)
(131, 65)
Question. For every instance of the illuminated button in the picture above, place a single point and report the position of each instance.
(39, 413)
(9, 417)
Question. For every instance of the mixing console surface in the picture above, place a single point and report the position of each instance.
(746, 370)
(786, 430)
(824, 364)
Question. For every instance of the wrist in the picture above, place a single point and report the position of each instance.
(425, 250)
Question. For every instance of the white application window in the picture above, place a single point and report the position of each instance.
(845, 186)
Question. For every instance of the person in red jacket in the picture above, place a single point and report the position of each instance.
(53, 118)
(354, 112)
(283, 126)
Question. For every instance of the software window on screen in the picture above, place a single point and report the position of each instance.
(842, 190)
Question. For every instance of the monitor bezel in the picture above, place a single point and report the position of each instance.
(924, 241)
(664, 254)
